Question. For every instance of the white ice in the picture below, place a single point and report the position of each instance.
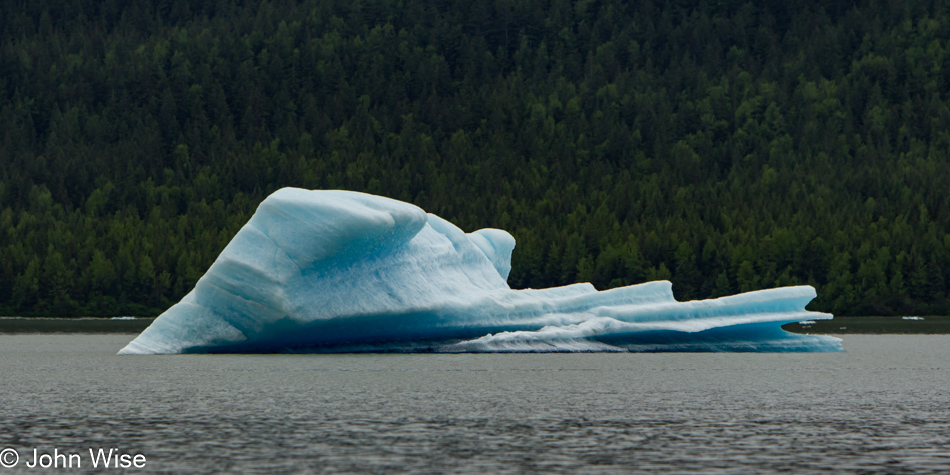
(340, 271)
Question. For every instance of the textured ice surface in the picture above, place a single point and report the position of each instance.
(339, 271)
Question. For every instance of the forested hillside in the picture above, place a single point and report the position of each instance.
(725, 145)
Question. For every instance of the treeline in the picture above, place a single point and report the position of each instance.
(725, 145)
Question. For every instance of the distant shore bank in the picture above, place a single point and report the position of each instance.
(875, 325)
(839, 325)
(74, 325)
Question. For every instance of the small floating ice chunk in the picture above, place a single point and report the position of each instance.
(912, 318)
(339, 271)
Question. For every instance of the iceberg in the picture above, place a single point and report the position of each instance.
(341, 271)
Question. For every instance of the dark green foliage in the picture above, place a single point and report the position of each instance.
(728, 146)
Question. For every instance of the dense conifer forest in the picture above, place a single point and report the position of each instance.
(725, 145)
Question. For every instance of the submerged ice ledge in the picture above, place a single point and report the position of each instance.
(340, 271)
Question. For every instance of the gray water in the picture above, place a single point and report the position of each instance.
(884, 406)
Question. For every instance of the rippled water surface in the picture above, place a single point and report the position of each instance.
(884, 406)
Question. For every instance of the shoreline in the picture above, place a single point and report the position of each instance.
(51, 325)
(900, 325)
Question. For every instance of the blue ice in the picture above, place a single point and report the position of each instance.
(340, 271)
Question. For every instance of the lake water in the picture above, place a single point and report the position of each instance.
(884, 406)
